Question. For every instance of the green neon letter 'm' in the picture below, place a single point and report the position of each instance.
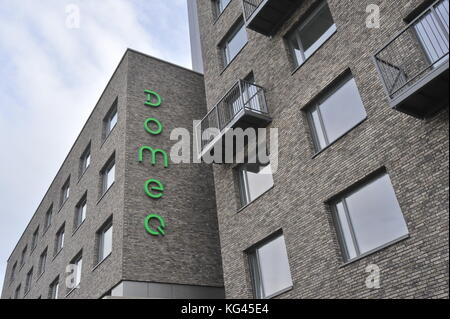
(153, 152)
(157, 189)
(149, 99)
(149, 130)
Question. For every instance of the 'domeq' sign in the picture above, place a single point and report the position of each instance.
(153, 188)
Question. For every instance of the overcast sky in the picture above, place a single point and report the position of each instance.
(51, 76)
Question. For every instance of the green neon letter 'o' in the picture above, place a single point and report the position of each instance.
(149, 102)
(159, 230)
(149, 130)
(150, 191)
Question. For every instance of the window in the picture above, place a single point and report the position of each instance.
(369, 218)
(34, 239)
(233, 43)
(42, 262)
(28, 280)
(110, 120)
(311, 34)
(77, 262)
(254, 180)
(65, 190)
(48, 218)
(269, 267)
(105, 241)
(17, 292)
(54, 289)
(432, 32)
(336, 113)
(108, 175)
(23, 256)
(220, 5)
(59, 241)
(85, 160)
(13, 272)
(80, 212)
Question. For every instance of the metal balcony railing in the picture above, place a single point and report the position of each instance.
(241, 98)
(250, 7)
(416, 51)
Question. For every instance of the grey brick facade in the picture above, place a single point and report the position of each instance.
(413, 152)
(186, 262)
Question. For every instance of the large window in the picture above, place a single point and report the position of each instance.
(110, 120)
(48, 218)
(77, 262)
(65, 191)
(42, 262)
(108, 174)
(34, 239)
(59, 240)
(369, 218)
(54, 289)
(28, 280)
(80, 212)
(105, 241)
(85, 159)
(311, 34)
(13, 272)
(234, 43)
(17, 292)
(336, 113)
(23, 256)
(220, 5)
(270, 270)
(254, 180)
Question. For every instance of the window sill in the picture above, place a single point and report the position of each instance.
(314, 53)
(78, 227)
(26, 293)
(62, 205)
(232, 60)
(339, 138)
(221, 13)
(71, 291)
(45, 230)
(376, 250)
(101, 262)
(32, 250)
(249, 204)
(107, 136)
(279, 293)
(82, 174)
(106, 192)
(57, 254)
(39, 277)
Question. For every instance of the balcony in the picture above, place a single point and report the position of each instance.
(414, 64)
(243, 106)
(265, 16)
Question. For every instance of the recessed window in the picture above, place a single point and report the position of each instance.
(369, 218)
(336, 113)
(48, 218)
(105, 241)
(270, 269)
(42, 262)
(34, 239)
(23, 257)
(234, 42)
(54, 289)
(108, 174)
(13, 272)
(65, 191)
(80, 212)
(311, 34)
(254, 180)
(59, 240)
(220, 5)
(77, 262)
(17, 292)
(85, 160)
(28, 280)
(110, 120)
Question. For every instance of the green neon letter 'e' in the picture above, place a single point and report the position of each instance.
(160, 228)
(157, 189)
(149, 102)
(149, 130)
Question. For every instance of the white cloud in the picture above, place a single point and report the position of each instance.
(50, 79)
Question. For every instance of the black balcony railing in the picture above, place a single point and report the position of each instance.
(416, 52)
(243, 99)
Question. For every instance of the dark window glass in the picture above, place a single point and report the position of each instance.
(254, 180)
